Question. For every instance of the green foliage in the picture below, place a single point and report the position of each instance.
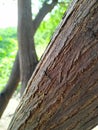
(8, 48)
(7, 42)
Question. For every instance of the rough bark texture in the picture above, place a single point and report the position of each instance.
(63, 91)
(12, 85)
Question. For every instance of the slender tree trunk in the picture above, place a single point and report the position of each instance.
(27, 54)
(15, 74)
(63, 91)
(12, 83)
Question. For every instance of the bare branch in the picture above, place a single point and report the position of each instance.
(46, 8)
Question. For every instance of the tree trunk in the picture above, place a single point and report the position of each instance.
(63, 91)
(15, 74)
(27, 53)
(10, 87)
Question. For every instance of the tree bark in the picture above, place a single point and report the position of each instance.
(62, 93)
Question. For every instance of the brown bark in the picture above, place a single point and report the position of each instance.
(63, 91)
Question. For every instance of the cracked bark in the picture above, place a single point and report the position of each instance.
(62, 93)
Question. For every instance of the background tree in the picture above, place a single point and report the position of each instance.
(27, 53)
(63, 91)
(31, 26)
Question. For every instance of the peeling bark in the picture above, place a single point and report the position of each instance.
(62, 93)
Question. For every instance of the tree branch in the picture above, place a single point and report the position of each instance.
(46, 8)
